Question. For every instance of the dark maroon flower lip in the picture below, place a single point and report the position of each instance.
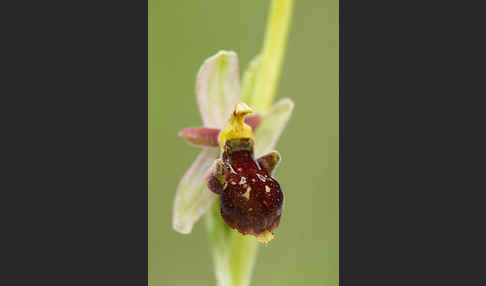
(251, 200)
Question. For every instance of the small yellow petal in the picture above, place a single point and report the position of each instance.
(242, 109)
(264, 237)
(236, 128)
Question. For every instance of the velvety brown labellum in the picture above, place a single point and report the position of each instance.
(251, 199)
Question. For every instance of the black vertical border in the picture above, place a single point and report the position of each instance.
(411, 143)
(75, 194)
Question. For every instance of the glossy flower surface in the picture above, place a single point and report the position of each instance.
(251, 199)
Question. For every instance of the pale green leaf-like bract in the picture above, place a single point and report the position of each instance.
(273, 123)
(192, 197)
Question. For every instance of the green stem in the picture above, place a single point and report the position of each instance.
(234, 254)
(273, 52)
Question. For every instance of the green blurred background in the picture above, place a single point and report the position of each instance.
(182, 34)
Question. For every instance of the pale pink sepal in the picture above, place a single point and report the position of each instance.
(208, 137)
(201, 136)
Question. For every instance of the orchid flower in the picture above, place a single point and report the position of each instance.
(223, 105)
(217, 92)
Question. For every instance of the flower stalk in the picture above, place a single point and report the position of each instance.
(234, 254)
(220, 98)
(272, 54)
